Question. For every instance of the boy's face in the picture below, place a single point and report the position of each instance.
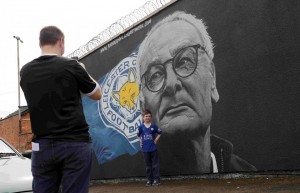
(147, 118)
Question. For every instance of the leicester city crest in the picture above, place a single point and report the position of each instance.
(119, 107)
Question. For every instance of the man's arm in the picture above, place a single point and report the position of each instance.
(96, 93)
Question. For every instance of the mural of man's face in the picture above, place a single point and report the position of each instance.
(177, 78)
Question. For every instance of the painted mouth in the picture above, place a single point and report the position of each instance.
(174, 110)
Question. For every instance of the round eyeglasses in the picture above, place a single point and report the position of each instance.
(184, 64)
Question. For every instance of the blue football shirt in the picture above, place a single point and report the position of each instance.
(148, 136)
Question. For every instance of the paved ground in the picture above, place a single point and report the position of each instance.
(257, 184)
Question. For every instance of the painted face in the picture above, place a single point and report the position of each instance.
(177, 78)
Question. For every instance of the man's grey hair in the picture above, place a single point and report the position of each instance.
(191, 19)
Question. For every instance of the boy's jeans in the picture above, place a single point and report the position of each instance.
(152, 165)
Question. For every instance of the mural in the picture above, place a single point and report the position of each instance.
(217, 77)
(178, 87)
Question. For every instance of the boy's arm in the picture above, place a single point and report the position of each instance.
(140, 140)
(159, 132)
(157, 138)
(139, 136)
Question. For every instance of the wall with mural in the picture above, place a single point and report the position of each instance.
(221, 80)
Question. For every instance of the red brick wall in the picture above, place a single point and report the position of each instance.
(9, 130)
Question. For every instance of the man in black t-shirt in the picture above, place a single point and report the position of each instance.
(61, 148)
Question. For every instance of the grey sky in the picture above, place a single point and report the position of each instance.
(79, 20)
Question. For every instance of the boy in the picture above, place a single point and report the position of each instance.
(148, 135)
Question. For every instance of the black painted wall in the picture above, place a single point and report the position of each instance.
(257, 66)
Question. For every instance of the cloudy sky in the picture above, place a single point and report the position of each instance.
(79, 20)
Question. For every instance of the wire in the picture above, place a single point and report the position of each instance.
(119, 27)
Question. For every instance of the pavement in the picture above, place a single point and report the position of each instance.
(224, 184)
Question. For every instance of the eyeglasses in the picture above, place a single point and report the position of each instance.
(184, 64)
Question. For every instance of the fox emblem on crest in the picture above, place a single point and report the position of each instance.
(129, 92)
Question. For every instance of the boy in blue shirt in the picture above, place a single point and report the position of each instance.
(148, 135)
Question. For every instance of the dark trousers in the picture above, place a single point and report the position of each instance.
(61, 166)
(152, 165)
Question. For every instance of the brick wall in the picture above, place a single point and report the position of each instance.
(10, 131)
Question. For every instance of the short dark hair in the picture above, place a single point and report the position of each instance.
(146, 112)
(49, 35)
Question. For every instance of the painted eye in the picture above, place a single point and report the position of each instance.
(185, 61)
(155, 77)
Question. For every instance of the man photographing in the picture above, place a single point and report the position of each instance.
(61, 144)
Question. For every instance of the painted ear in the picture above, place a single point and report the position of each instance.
(116, 95)
(214, 92)
(131, 75)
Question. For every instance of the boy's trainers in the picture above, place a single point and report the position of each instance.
(156, 183)
(148, 183)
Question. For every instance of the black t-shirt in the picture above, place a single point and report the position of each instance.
(52, 86)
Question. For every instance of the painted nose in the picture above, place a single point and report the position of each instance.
(172, 83)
